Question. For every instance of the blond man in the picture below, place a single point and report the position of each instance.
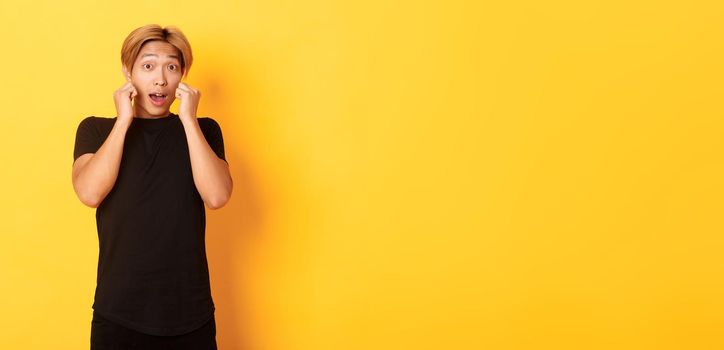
(150, 174)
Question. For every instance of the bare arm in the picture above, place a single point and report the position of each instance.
(211, 173)
(94, 174)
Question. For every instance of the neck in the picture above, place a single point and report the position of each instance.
(142, 113)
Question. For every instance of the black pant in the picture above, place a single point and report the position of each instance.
(107, 335)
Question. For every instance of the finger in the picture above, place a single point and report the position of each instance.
(187, 87)
(180, 92)
(127, 88)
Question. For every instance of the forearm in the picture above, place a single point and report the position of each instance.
(211, 173)
(97, 177)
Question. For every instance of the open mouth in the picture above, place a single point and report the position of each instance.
(158, 99)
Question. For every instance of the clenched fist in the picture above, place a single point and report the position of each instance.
(189, 101)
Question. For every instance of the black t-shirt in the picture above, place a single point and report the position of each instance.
(153, 275)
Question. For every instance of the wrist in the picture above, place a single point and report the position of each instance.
(186, 118)
(123, 121)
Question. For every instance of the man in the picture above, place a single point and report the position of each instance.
(149, 173)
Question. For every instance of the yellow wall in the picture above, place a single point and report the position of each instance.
(408, 175)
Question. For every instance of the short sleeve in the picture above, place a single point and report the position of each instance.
(87, 138)
(213, 135)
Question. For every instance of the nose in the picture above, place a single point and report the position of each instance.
(161, 79)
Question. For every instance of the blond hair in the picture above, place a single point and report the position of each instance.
(170, 34)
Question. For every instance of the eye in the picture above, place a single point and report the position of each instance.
(146, 64)
(172, 66)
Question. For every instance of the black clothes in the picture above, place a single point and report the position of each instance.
(153, 275)
(106, 335)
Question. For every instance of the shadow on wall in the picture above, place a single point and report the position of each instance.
(232, 232)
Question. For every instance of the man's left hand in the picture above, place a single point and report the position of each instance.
(189, 101)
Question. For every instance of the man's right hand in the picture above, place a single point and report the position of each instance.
(124, 98)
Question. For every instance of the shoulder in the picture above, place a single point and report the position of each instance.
(208, 121)
(93, 120)
(96, 124)
(208, 124)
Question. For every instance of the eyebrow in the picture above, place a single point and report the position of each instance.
(153, 54)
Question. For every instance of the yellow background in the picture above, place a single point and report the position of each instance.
(408, 175)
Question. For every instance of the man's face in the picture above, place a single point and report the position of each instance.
(157, 70)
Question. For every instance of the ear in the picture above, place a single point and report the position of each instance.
(125, 72)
